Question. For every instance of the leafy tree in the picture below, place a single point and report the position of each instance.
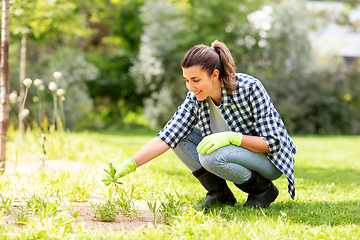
(117, 41)
(171, 29)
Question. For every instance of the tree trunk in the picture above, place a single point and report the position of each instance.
(21, 78)
(4, 83)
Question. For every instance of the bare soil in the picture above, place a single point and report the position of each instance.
(86, 217)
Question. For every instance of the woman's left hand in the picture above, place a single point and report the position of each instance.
(217, 140)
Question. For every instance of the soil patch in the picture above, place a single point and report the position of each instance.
(85, 209)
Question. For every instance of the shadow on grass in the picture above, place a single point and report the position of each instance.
(345, 177)
(311, 214)
(317, 183)
(319, 213)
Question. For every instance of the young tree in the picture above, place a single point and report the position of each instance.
(4, 83)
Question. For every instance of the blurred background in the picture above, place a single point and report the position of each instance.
(120, 59)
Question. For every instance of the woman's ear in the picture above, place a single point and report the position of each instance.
(215, 74)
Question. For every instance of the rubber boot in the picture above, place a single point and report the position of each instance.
(218, 190)
(261, 191)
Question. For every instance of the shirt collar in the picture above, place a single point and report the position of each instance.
(225, 98)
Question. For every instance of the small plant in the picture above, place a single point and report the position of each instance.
(166, 210)
(170, 208)
(105, 212)
(49, 226)
(153, 209)
(22, 215)
(78, 193)
(74, 214)
(125, 203)
(6, 203)
(38, 205)
(112, 172)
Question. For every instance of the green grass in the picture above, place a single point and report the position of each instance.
(327, 175)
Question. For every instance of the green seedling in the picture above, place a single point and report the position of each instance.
(74, 214)
(6, 203)
(22, 215)
(106, 212)
(167, 209)
(79, 193)
(112, 173)
(125, 203)
(47, 226)
(153, 209)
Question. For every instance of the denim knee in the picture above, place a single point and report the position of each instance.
(210, 162)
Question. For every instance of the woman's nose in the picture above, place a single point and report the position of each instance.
(191, 86)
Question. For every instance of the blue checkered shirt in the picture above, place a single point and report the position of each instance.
(248, 110)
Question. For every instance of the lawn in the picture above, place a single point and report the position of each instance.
(65, 198)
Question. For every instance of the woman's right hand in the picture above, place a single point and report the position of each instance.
(122, 169)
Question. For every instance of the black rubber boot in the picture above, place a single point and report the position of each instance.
(218, 190)
(261, 191)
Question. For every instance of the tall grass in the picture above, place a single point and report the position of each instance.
(327, 175)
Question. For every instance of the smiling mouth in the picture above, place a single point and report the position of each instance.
(197, 93)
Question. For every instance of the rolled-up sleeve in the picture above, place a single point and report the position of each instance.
(265, 117)
(182, 122)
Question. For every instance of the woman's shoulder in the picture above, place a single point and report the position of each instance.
(191, 97)
(246, 81)
(190, 101)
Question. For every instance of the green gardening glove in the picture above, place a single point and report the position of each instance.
(217, 140)
(122, 169)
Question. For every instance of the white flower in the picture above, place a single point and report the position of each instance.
(62, 98)
(13, 96)
(37, 82)
(42, 156)
(35, 99)
(25, 112)
(27, 82)
(41, 87)
(57, 75)
(52, 86)
(60, 92)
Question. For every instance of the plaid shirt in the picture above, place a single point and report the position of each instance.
(248, 110)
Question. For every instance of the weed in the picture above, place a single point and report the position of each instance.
(79, 192)
(112, 173)
(21, 216)
(105, 212)
(167, 209)
(125, 203)
(153, 209)
(48, 226)
(74, 214)
(6, 203)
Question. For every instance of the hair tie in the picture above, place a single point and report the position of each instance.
(212, 48)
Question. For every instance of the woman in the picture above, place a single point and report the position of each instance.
(226, 129)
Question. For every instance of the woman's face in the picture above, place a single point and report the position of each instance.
(202, 84)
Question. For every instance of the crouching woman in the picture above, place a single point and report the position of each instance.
(227, 128)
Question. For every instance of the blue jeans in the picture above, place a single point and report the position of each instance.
(231, 162)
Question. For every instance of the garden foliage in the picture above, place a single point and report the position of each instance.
(121, 59)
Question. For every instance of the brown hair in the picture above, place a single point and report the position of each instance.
(218, 57)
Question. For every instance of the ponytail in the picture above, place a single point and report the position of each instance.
(218, 57)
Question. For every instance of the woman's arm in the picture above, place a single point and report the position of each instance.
(151, 150)
(255, 144)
